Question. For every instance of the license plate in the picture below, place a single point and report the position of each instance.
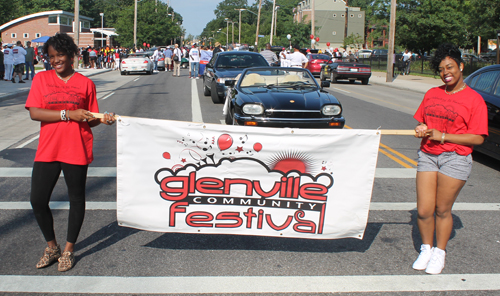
(134, 68)
(354, 70)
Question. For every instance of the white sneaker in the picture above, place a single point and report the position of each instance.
(197, 77)
(423, 258)
(436, 264)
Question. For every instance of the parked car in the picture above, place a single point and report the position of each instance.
(364, 53)
(184, 63)
(379, 53)
(468, 58)
(226, 66)
(489, 56)
(281, 97)
(136, 63)
(486, 81)
(315, 62)
(335, 70)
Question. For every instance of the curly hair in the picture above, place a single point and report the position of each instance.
(61, 42)
(445, 50)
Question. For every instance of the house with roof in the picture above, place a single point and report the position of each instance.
(48, 23)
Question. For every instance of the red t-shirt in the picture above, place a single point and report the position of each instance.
(461, 113)
(65, 141)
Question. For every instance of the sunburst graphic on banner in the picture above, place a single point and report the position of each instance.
(291, 161)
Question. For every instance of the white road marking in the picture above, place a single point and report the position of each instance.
(374, 206)
(107, 96)
(380, 173)
(341, 90)
(249, 284)
(137, 79)
(195, 103)
(28, 142)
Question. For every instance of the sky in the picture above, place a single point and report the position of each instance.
(195, 13)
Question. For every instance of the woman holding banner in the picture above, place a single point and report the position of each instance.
(452, 119)
(62, 100)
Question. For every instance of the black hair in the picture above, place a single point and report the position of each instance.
(61, 42)
(445, 50)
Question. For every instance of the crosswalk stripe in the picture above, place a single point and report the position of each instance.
(249, 284)
(374, 206)
(383, 173)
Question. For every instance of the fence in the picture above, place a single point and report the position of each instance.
(420, 64)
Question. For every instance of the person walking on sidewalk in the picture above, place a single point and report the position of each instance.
(62, 100)
(19, 54)
(2, 66)
(451, 120)
(29, 61)
(168, 59)
(406, 58)
(8, 60)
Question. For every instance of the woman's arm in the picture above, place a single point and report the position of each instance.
(80, 115)
(460, 139)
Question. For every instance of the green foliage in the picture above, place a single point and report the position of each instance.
(353, 41)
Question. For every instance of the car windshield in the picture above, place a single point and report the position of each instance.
(136, 55)
(241, 61)
(319, 57)
(277, 78)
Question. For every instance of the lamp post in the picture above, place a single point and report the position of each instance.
(276, 19)
(239, 24)
(232, 41)
(227, 32)
(272, 22)
(135, 25)
(257, 31)
(102, 26)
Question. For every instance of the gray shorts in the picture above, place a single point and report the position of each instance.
(447, 163)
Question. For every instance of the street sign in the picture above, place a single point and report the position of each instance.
(260, 36)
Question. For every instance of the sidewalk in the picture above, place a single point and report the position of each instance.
(9, 90)
(408, 82)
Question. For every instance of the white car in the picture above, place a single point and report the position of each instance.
(364, 53)
(136, 63)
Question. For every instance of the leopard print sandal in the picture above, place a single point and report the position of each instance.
(50, 255)
(66, 261)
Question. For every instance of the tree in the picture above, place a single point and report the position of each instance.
(354, 41)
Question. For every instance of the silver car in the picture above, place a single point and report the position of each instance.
(137, 63)
(364, 53)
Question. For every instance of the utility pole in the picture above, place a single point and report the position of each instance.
(392, 34)
(257, 32)
(76, 29)
(313, 21)
(239, 26)
(272, 23)
(135, 25)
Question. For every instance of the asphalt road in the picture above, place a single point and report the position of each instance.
(115, 260)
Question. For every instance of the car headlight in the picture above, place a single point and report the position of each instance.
(331, 110)
(253, 109)
(222, 80)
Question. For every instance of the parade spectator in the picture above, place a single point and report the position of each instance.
(85, 57)
(177, 58)
(117, 60)
(296, 59)
(8, 60)
(194, 58)
(168, 59)
(19, 54)
(62, 100)
(93, 58)
(29, 61)
(217, 48)
(205, 57)
(2, 66)
(270, 56)
(451, 120)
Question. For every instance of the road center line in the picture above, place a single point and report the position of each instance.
(28, 142)
(107, 96)
(340, 90)
(195, 103)
(249, 284)
(137, 79)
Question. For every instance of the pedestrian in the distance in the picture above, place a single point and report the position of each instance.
(62, 100)
(451, 120)
(194, 58)
(19, 54)
(177, 58)
(270, 56)
(29, 61)
(296, 59)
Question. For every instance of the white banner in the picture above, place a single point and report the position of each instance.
(205, 178)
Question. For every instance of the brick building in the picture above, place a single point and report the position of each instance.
(48, 23)
(330, 20)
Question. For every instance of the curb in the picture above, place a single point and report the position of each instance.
(25, 92)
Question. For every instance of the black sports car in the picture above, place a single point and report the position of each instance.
(225, 66)
(281, 97)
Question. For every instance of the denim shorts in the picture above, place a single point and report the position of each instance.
(447, 163)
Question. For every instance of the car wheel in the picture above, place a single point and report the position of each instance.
(333, 79)
(206, 91)
(123, 73)
(213, 92)
(364, 81)
(351, 81)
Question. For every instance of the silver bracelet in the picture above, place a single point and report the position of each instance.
(442, 138)
(63, 115)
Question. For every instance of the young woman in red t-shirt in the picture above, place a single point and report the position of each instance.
(452, 119)
(62, 100)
